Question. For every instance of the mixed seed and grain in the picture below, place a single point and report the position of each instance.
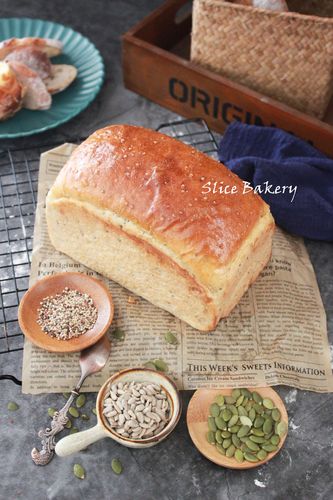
(136, 410)
(245, 426)
(67, 314)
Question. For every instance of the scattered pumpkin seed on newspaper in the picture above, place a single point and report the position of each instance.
(245, 426)
(118, 334)
(171, 338)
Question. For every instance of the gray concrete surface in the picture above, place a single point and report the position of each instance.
(175, 469)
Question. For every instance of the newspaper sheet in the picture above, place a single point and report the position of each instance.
(276, 335)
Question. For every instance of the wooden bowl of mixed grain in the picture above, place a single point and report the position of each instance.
(66, 312)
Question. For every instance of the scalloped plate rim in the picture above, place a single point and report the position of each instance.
(79, 109)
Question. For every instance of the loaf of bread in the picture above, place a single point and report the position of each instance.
(133, 204)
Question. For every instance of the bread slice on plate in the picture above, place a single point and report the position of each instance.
(62, 76)
(51, 47)
(35, 59)
(36, 95)
(11, 92)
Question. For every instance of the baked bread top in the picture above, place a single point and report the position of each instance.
(153, 184)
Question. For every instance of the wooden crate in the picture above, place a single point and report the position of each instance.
(156, 65)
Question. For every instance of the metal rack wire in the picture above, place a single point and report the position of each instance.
(18, 195)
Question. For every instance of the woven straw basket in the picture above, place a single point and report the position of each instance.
(284, 55)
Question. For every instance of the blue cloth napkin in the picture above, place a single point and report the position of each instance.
(270, 158)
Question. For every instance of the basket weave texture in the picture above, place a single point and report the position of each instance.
(284, 55)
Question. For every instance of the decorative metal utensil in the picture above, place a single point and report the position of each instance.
(92, 360)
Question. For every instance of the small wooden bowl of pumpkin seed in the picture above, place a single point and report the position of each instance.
(237, 428)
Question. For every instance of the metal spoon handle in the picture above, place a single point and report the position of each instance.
(47, 436)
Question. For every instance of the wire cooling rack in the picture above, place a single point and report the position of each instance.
(18, 195)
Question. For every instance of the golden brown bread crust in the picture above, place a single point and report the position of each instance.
(11, 92)
(156, 182)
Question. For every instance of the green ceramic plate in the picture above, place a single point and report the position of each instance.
(78, 51)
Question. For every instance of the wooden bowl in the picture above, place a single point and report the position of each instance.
(28, 314)
(197, 424)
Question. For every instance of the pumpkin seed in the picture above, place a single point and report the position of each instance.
(250, 457)
(252, 414)
(150, 365)
(235, 393)
(73, 412)
(74, 430)
(268, 403)
(118, 334)
(225, 434)
(234, 429)
(214, 410)
(68, 424)
(94, 411)
(257, 398)
(245, 426)
(12, 406)
(211, 437)
(257, 439)
(116, 466)
(220, 423)
(79, 471)
(257, 432)
(220, 449)
(235, 440)
(161, 365)
(226, 443)
(233, 420)
(258, 408)
(269, 447)
(246, 421)
(243, 431)
(246, 393)
(239, 400)
(259, 422)
(230, 451)
(230, 400)
(170, 338)
(218, 437)
(233, 409)
(268, 425)
(246, 449)
(84, 416)
(262, 454)
(51, 412)
(281, 428)
(219, 400)
(66, 394)
(239, 456)
(248, 406)
(242, 412)
(81, 401)
(226, 415)
(212, 424)
(253, 446)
